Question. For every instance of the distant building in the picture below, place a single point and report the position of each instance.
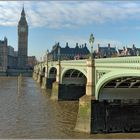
(8, 57)
(31, 61)
(12, 58)
(107, 51)
(126, 51)
(67, 53)
(3, 54)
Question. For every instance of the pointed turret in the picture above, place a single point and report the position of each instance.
(23, 12)
(23, 17)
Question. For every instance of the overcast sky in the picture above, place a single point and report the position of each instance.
(115, 22)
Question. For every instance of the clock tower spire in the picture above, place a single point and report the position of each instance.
(22, 41)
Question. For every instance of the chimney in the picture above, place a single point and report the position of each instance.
(85, 44)
(109, 45)
(98, 48)
(67, 45)
(76, 44)
(123, 47)
(5, 40)
(133, 46)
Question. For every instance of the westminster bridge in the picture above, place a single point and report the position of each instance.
(96, 83)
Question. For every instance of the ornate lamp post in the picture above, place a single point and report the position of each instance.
(59, 54)
(47, 59)
(47, 52)
(91, 41)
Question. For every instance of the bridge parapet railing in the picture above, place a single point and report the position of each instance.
(74, 62)
(52, 63)
(132, 59)
(118, 63)
(64, 62)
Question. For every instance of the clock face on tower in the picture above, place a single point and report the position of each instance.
(22, 29)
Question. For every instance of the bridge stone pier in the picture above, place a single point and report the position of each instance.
(108, 91)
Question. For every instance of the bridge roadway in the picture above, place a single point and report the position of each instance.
(91, 81)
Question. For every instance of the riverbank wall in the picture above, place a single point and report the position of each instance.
(15, 72)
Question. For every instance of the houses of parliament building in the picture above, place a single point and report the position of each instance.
(11, 59)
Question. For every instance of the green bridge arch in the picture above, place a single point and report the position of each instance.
(111, 76)
(69, 68)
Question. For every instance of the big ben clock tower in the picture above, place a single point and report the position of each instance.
(22, 41)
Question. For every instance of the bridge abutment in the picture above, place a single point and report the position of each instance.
(47, 83)
(55, 91)
(44, 81)
(63, 92)
(83, 123)
(34, 75)
(71, 91)
(38, 78)
(84, 114)
(55, 85)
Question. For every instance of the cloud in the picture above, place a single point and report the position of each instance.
(67, 14)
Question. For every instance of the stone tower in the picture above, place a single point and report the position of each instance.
(22, 41)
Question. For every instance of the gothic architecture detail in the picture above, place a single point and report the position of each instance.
(22, 41)
(68, 53)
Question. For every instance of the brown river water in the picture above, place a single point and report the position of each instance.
(28, 112)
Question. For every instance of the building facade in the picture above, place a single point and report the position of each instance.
(22, 41)
(31, 62)
(12, 58)
(8, 57)
(67, 53)
(108, 51)
(127, 51)
(3, 54)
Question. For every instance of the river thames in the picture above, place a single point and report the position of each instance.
(28, 112)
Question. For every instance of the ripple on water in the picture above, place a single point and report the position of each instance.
(28, 112)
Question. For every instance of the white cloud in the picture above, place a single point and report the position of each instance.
(59, 14)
